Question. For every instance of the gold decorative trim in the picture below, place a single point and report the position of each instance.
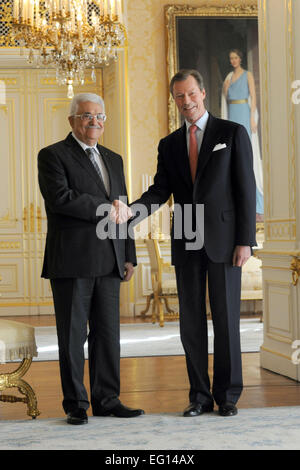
(280, 268)
(52, 81)
(276, 353)
(14, 380)
(26, 304)
(39, 219)
(295, 268)
(281, 230)
(25, 220)
(8, 81)
(279, 338)
(8, 245)
(31, 217)
(277, 268)
(8, 113)
(279, 252)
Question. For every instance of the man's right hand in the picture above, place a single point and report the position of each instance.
(120, 212)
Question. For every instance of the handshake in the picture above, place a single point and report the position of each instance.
(120, 212)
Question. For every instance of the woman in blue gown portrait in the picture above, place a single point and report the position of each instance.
(239, 105)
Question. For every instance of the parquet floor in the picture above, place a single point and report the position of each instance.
(156, 384)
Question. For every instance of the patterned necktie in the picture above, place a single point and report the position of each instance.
(91, 154)
(193, 151)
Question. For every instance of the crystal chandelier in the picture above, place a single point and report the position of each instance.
(71, 35)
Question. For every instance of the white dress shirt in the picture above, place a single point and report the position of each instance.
(99, 161)
(201, 126)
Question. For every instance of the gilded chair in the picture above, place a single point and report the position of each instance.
(162, 289)
(17, 342)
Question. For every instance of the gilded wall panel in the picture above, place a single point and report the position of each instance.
(33, 114)
(9, 165)
(11, 273)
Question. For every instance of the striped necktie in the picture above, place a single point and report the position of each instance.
(91, 154)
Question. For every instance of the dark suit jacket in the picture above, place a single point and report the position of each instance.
(72, 191)
(224, 183)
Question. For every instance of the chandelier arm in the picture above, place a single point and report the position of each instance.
(69, 35)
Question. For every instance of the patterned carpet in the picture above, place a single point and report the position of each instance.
(251, 429)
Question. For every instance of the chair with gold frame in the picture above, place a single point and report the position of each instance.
(17, 341)
(162, 289)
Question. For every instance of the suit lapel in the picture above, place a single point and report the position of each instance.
(182, 156)
(79, 154)
(208, 143)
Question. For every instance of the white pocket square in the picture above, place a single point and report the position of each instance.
(219, 147)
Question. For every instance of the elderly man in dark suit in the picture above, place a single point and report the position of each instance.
(208, 162)
(77, 177)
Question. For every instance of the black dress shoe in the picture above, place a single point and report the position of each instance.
(196, 409)
(78, 416)
(121, 411)
(228, 409)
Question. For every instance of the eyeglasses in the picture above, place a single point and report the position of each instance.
(89, 117)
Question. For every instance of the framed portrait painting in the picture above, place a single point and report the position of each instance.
(220, 42)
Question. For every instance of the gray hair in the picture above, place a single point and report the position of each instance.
(83, 97)
(183, 74)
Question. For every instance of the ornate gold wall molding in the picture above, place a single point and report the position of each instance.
(280, 230)
(295, 268)
(276, 353)
(8, 164)
(9, 245)
(8, 81)
(30, 216)
(52, 81)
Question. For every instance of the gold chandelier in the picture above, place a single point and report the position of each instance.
(71, 35)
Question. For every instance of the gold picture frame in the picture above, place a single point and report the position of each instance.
(175, 12)
(199, 36)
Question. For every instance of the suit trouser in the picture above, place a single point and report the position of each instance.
(224, 284)
(93, 302)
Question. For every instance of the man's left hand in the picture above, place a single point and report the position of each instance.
(129, 270)
(241, 254)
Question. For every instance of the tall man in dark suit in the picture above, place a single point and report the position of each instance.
(77, 176)
(208, 161)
